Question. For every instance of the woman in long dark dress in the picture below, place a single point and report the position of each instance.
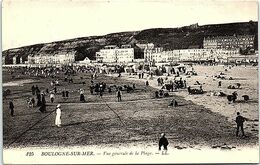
(82, 97)
(43, 104)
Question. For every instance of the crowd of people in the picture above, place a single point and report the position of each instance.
(57, 87)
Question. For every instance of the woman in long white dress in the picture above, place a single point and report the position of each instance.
(58, 116)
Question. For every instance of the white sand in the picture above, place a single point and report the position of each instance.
(246, 76)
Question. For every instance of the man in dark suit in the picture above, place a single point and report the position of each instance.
(119, 95)
(240, 121)
(163, 142)
(11, 107)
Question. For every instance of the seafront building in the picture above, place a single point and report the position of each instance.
(218, 48)
(229, 42)
(63, 58)
(155, 54)
(125, 54)
(115, 54)
(190, 55)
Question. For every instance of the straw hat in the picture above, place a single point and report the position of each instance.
(58, 106)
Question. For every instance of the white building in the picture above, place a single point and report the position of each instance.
(145, 46)
(154, 54)
(85, 61)
(107, 55)
(63, 58)
(190, 55)
(15, 59)
(205, 54)
(125, 54)
(229, 42)
(113, 53)
(3, 60)
(21, 60)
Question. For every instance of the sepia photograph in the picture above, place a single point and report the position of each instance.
(126, 82)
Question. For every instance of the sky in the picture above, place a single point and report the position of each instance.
(27, 22)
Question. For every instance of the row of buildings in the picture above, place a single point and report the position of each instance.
(214, 48)
(56, 58)
(229, 42)
(113, 53)
(190, 55)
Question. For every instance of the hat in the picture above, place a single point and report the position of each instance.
(58, 106)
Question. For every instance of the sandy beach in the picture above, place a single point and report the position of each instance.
(202, 124)
(246, 76)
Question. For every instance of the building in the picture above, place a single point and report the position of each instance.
(154, 55)
(229, 42)
(190, 55)
(63, 58)
(15, 59)
(112, 53)
(107, 54)
(3, 60)
(145, 49)
(204, 54)
(21, 60)
(145, 46)
(85, 61)
(125, 54)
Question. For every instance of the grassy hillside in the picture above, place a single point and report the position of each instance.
(184, 37)
(168, 38)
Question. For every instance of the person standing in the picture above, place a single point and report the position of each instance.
(58, 116)
(219, 84)
(240, 124)
(189, 90)
(91, 89)
(63, 94)
(43, 103)
(11, 107)
(39, 103)
(37, 90)
(101, 93)
(33, 90)
(159, 81)
(173, 103)
(82, 97)
(119, 95)
(163, 142)
(52, 97)
(67, 94)
(184, 84)
(101, 90)
(147, 83)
